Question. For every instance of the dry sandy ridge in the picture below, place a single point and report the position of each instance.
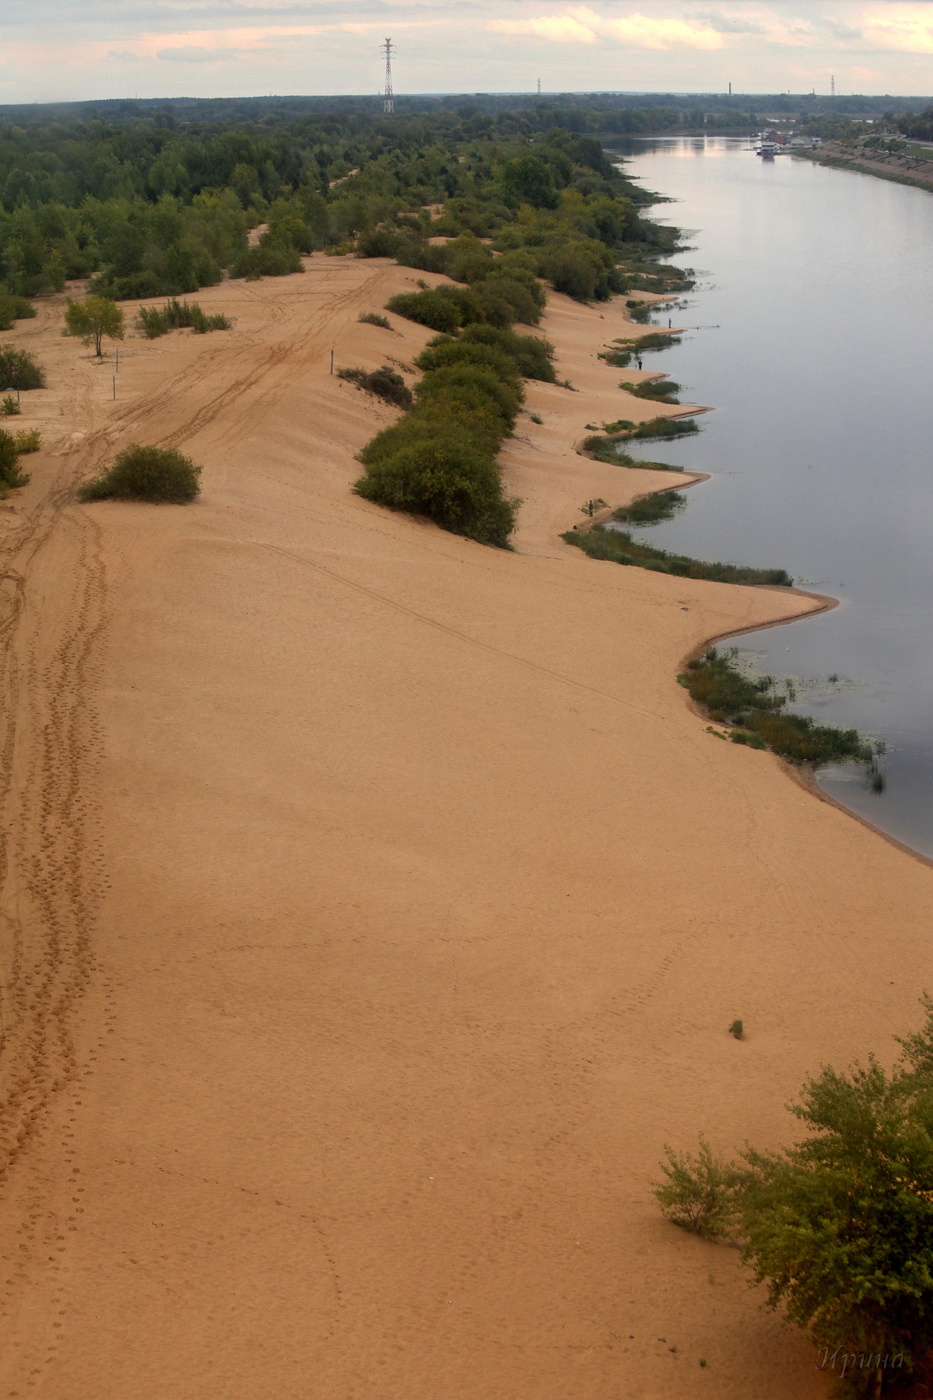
(375, 907)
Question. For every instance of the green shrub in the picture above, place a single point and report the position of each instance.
(698, 1192)
(154, 321)
(146, 474)
(9, 408)
(13, 309)
(18, 370)
(268, 260)
(428, 309)
(384, 383)
(443, 352)
(838, 1227)
(372, 318)
(380, 243)
(202, 323)
(453, 482)
(10, 475)
(28, 440)
(532, 355)
(470, 380)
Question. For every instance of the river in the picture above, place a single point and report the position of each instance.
(819, 284)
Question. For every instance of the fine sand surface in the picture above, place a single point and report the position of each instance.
(375, 907)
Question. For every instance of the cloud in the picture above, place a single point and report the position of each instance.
(579, 24)
(123, 55)
(194, 53)
(728, 24)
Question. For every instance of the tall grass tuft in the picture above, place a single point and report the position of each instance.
(154, 321)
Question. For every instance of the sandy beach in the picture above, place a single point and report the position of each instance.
(375, 907)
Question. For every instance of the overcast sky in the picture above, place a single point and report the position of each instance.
(74, 49)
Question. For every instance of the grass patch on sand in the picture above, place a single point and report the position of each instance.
(154, 321)
(138, 473)
(12, 447)
(383, 383)
(633, 348)
(619, 547)
(660, 390)
(755, 714)
(651, 510)
(373, 318)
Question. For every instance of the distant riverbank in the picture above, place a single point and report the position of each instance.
(904, 169)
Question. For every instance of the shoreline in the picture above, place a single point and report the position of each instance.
(835, 160)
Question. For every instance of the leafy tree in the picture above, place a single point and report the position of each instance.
(92, 319)
(839, 1227)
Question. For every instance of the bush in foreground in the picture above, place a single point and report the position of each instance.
(839, 1226)
(146, 474)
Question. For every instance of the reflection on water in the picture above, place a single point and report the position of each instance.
(820, 450)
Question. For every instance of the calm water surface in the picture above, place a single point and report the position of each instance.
(820, 448)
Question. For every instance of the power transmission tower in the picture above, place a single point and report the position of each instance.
(539, 87)
(388, 105)
(832, 86)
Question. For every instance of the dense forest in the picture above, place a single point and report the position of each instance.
(156, 207)
(920, 128)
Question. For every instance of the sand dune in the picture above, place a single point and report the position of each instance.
(375, 907)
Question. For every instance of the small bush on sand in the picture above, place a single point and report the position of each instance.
(13, 309)
(154, 321)
(697, 1192)
(146, 474)
(428, 309)
(28, 440)
(10, 474)
(384, 383)
(18, 370)
(9, 408)
(373, 318)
